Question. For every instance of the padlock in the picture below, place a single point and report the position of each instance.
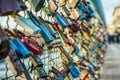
(61, 20)
(22, 5)
(75, 27)
(60, 75)
(4, 44)
(67, 56)
(66, 10)
(70, 77)
(76, 49)
(14, 63)
(59, 78)
(61, 2)
(52, 5)
(21, 50)
(44, 31)
(36, 61)
(72, 3)
(72, 68)
(40, 72)
(68, 21)
(75, 13)
(32, 45)
(47, 11)
(84, 2)
(36, 4)
(27, 25)
(75, 71)
(8, 9)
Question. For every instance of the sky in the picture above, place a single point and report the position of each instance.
(108, 6)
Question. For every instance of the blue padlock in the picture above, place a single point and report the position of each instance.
(25, 23)
(68, 22)
(81, 6)
(44, 31)
(76, 50)
(75, 71)
(21, 50)
(61, 20)
(59, 78)
(91, 69)
(82, 16)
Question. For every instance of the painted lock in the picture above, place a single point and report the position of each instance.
(27, 25)
(60, 20)
(36, 61)
(32, 46)
(47, 11)
(44, 31)
(75, 26)
(21, 50)
(7, 9)
(75, 71)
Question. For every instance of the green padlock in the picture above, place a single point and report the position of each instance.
(47, 11)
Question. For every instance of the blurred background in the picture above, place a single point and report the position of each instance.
(110, 70)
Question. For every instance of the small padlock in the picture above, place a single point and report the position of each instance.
(52, 5)
(61, 20)
(75, 71)
(36, 4)
(40, 72)
(36, 61)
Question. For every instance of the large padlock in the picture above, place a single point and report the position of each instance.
(4, 44)
(44, 31)
(27, 25)
(7, 9)
(32, 45)
(36, 4)
(57, 39)
(14, 63)
(21, 50)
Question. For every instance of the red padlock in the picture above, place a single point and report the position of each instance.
(30, 43)
(69, 42)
